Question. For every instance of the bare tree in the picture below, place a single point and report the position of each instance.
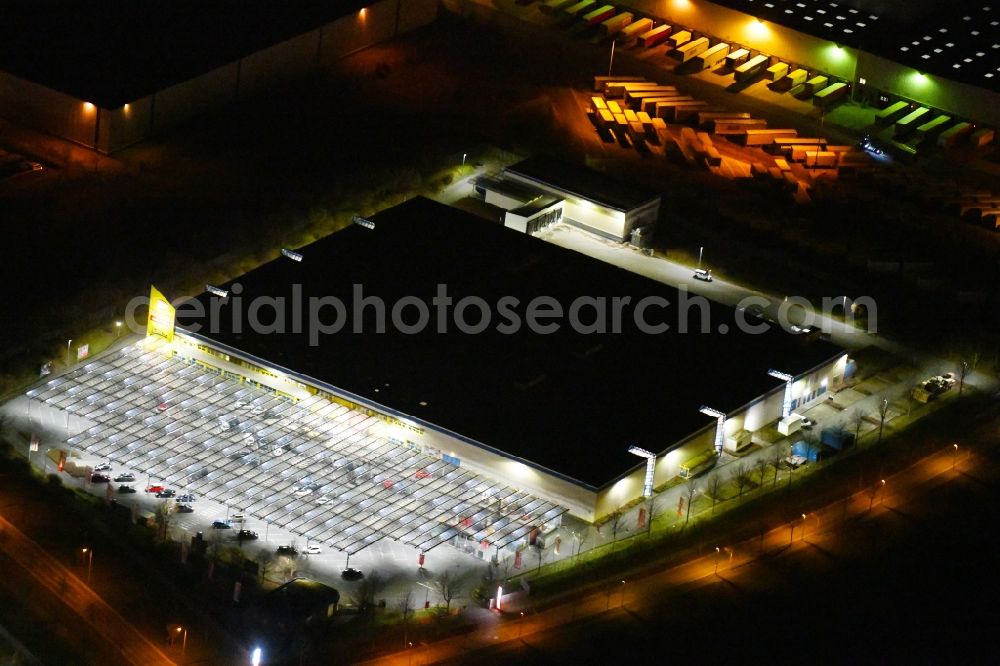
(760, 466)
(775, 459)
(405, 610)
(883, 411)
(652, 510)
(713, 489)
(690, 492)
(539, 549)
(265, 559)
(857, 419)
(448, 587)
(615, 521)
(364, 597)
(163, 514)
(741, 477)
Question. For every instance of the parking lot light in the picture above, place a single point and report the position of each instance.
(256, 656)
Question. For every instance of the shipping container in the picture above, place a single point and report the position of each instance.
(764, 136)
(784, 145)
(831, 94)
(636, 132)
(649, 105)
(815, 84)
(580, 7)
(554, 6)
(616, 23)
(776, 71)
(688, 113)
(635, 97)
(636, 28)
(797, 77)
(655, 36)
(600, 82)
(597, 103)
(709, 117)
(910, 121)
(837, 438)
(737, 58)
(614, 106)
(619, 88)
(712, 56)
(690, 50)
(630, 116)
(738, 125)
(982, 137)
(892, 113)
(666, 110)
(821, 159)
(752, 67)
(599, 15)
(954, 134)
(679, 38)
(644, 118)
(605, 118)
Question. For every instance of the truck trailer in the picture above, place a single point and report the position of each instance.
(712, 56)
(831, 94)
(614, 24)
(655, 36)
(751, 68)
(688, 51)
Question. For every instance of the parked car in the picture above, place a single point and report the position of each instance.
(125, 478)
(302, 492)
(291, 551)
(322, 499)
(351, 573)
(807, 423)
(103, 467)
(163, 406)
(154, 489)
(221, 525)
(246, 535)
(125, 489)
(184, 508)
(99, 478)
(185, 498)
(237, 517)
(312, 550)
(165, 493)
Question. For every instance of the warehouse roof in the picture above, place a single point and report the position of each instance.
(569, 402)
(110, 53)
(583, 182)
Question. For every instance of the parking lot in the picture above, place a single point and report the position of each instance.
(315, 469)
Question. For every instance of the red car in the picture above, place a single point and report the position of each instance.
(163, 407)
(154, 489)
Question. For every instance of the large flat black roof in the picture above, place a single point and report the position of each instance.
(110, 52)
(583, 182)
(569, 402)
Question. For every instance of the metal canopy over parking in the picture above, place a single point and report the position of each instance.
(315, 468)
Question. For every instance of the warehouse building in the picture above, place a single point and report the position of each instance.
(109, 75)
(553, 412)
(586, 198)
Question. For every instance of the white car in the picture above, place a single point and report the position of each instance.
(240, 404)
(703, 275)
(322, 499)
(312, 550)
(102, 467)
(302, 492)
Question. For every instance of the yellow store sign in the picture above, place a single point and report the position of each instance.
(161, 316)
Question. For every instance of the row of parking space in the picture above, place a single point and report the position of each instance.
(314, 467)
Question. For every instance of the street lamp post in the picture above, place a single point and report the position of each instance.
(611, 60)
(89, 552)
(118, 329)
(717, 553)
(464, 155)
(954, 455)
(255, 657)
(623, 594)
(68, 343)
(804, 527)
(701, 250)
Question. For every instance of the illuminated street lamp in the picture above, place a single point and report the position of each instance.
(647, 484)
(717, 553)
(786, 401)
(118, 329)
(68, 343)
(954, 455)
(255, 657)
(89, 554)
(719, 427)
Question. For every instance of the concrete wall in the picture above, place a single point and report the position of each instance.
(36, 106)
(359, 30)
(183, 101)
(741, 29)
(283, 61)
(957, 99)
(126, 125)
